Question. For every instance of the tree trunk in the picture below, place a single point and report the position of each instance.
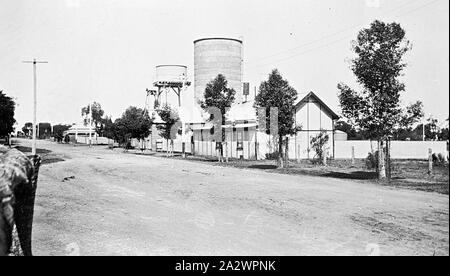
(280, 152)
(286, 152)
(167, 149)
(226, 151)
(388, 160)
(381, 163)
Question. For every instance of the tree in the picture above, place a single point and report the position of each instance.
(134, 123)
(7, 109)
(171, 125)
(27, 129)
(352, 132)
(58, 131)
(218, 97)
(108, 128)
(409, 117)
(97, 115)
(277, 93)
(377, 66)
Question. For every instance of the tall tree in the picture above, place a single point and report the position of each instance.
(7, 108)
(218, 97)
(377, 66)
(170, 128)
(97, 115)
(107, 129)
(134, 123)
(277, 93)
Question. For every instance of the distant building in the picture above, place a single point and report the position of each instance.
(81, 130)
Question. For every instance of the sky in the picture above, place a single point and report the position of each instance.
(107, 50)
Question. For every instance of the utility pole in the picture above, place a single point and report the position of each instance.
(90, 124)
(34, 62)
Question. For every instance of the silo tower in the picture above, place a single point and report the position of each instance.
(213, 56)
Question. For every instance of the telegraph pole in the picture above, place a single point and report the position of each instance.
(34, 62)
(90, 124)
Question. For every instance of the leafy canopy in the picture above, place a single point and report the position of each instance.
(377, 66)
(276, 92)
(170, 118)
(134, 123)
(7, 108)
(97, 114)
(219, 95)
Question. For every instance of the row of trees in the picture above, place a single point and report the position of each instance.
(373, 111)
(415, 132)
(45, 130)
(134, 123)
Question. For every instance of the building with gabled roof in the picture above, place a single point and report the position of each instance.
(243, 137)
(314, 116)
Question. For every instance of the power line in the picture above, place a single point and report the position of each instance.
(307, 51)
(409, 3)
(338, 40)
(419, 8)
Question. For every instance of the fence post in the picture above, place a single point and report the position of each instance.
(324, 157)
(430, 161)
(353, 155)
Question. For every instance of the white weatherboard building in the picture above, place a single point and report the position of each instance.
(314, 116)
(216, 55)
(244, 138)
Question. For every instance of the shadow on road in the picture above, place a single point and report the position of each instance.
(28, 150)
(263, 167)
(352, 175)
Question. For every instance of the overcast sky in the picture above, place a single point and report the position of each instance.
(107, 50)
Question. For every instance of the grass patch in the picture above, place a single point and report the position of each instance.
(406, 174)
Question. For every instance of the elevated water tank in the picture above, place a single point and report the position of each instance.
(171, 73)
(213, 56)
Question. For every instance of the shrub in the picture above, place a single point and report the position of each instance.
(372, 160)
(441, 158)
(272, 156)
(318, 144)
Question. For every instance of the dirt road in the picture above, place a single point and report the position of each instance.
(103, 202)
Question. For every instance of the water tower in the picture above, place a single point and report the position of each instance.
(170, 78)
(213, 56)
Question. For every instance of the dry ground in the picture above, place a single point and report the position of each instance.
(408, 174)
(95, 201)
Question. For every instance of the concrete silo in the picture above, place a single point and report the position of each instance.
(213, 56)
